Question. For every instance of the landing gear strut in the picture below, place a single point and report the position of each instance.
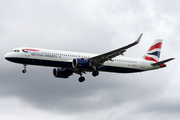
(24, 71)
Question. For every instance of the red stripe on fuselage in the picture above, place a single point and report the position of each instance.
(158, 45)
(30, 50)
(150, 59)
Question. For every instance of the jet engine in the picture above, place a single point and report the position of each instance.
(81, 63)
(61, 73)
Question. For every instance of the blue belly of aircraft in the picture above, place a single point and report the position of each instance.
(51, 63)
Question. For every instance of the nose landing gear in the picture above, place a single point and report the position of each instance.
(24, 71)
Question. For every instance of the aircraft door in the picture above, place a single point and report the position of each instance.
(27, 54)
(142, 64)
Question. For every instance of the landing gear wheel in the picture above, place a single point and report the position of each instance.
(24, 71)
(95, 73)
(81, 79)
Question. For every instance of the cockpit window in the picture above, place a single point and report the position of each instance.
(15, 50)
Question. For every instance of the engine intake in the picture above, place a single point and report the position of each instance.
(81, 63)
(61, 73)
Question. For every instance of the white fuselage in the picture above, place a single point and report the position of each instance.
(57, 58)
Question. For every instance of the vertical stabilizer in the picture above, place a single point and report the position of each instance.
(153, 54)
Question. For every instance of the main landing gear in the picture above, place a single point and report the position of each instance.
(81, 79)
(24, 71)
(94, 73)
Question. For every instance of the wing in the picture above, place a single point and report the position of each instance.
(98, 60)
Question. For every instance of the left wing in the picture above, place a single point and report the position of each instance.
(98, 60)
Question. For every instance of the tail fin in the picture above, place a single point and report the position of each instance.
(153, 54)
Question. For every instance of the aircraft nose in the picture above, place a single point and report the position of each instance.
(5, 56)
(8, 56)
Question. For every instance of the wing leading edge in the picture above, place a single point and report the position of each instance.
(98, 60)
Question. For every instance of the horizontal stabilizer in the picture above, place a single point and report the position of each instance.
(162, 62)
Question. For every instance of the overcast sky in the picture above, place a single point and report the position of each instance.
(92, 26)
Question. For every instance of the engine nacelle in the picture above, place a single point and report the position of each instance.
(61, 73)
(81, 63)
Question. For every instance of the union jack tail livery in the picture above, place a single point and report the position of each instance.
(153, 54)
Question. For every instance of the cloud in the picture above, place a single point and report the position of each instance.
(94, 27)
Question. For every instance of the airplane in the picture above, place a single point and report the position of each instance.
(66, 63)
